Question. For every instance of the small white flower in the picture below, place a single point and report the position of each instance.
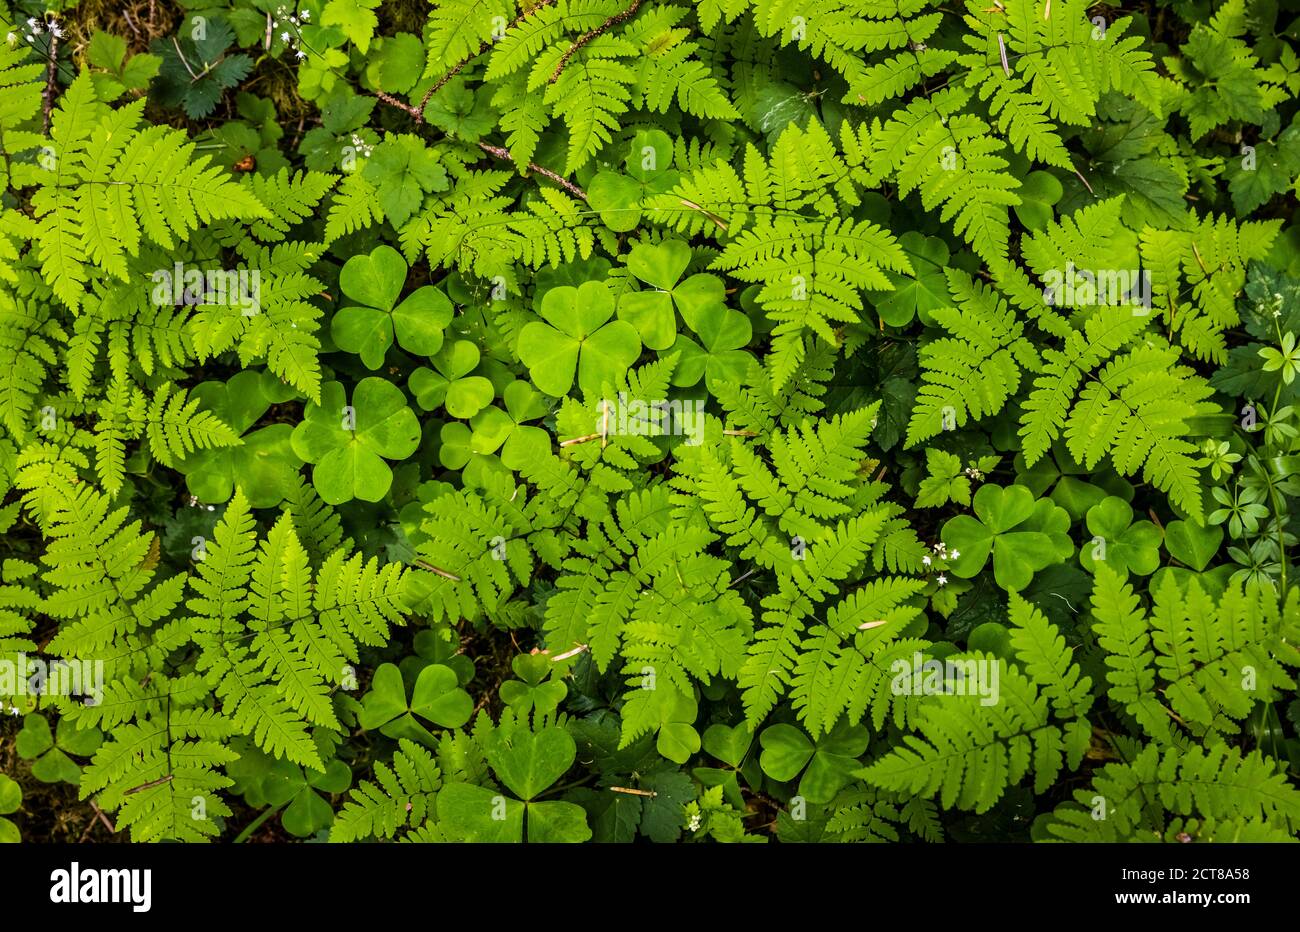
(11, 38)
(285, 36)
(955, 554)
(31, 22)
(943, 580)
(306, 16)
(56, 31)
(301, 54)
(294, 20)
(693, 825)
(926, 559)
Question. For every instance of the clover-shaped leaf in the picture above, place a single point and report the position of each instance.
(671, 714)
(661, 266)
(494, 429)
(1024, 536)
(729, 744)
(527, 763)
(455, 450)
(719, 356)
(1192, 545)
(349, 443)
(368, 329)
(578, 336)
(436, 697)
(533, 689)
(450, 385)
(11, 798)
(308, 812)
(1124, 545)
(1073, 487)
(1038, 192)
(620, 197)
(830, 761)
(50, 751)
(732, 747)
(923, 290)
(264, 465)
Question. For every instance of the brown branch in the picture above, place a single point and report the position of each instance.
(434, 88)
(649, 794)
(418, 112)
(126, 14)
(437, 572)
(503, 153)
(711, 216)
(569, 653)
(588, 36)
(417, 115)
(99, 814)
(148, 786)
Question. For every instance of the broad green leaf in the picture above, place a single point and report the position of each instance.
(528, 762)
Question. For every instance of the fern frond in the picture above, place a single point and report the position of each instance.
(1218, 791)
(400, 796)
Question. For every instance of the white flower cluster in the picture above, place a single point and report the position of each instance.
(941, 550)
(36, 27)
(292, 39)
(973, 473)
(363, 148)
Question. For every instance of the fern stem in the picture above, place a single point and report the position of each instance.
(415, 114)
(148, 786)
(436, 571)
(483, 47)
(503, 153)
(588, 36)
